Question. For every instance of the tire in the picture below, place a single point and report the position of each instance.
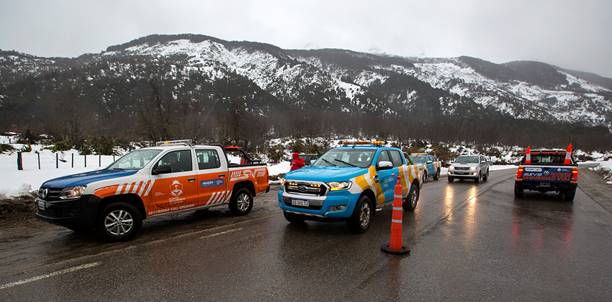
(361, 219)
(293, 218)
(241, 202)
(119, 221)
(518, 191)
(437, 175)
(485, 177)
(425, 176)
(569, 195)
(477, 180)
(451, 179)
(411, 201)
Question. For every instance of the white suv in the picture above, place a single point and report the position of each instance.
(474, 167)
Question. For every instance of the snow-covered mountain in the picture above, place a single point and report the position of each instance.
(323, 90)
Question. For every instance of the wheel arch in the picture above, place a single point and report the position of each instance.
(132, 199)
(370, 194)
(245, 184)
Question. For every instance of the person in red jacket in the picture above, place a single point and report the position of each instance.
(297, 162)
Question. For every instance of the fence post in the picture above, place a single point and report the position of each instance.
(85, 157)
(72, 160)
(38, 157)
(56, 161)
(113, 157)
(19, 161)
(99, 160)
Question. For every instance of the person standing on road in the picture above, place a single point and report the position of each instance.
(296, 162)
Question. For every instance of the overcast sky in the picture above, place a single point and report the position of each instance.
(573, 34)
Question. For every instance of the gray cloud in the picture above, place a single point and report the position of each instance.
(571, 34)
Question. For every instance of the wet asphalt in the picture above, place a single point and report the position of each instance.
(468, 242)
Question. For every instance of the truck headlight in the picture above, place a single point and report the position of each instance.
(339, 185)
(72, 192)
(281, 180)
(472, 169)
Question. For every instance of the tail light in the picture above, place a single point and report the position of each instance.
(519, 173)
(575, 175)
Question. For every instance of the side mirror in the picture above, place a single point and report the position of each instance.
(429, 161)
(161, 169)
(384, 165)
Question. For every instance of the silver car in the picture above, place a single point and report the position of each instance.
(474, 167)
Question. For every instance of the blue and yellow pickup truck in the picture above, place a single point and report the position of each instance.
(349, 183)
(430, 163)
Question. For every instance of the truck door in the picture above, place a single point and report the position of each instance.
(212, 177)
(174, 185)
(386, 177)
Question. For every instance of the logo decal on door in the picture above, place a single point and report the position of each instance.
(176, 188)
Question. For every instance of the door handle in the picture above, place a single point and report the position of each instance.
(191, 179)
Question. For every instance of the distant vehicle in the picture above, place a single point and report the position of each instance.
(430, 163)
(349, 183)
(171, 177)
(546, 170)
(474, 167)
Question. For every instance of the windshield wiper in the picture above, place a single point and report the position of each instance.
(327, 161)
(345, 162)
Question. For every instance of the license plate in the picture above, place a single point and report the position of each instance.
(300, 202)
(545, 185)
(41, 204)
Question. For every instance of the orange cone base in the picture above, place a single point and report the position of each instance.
(402, 251)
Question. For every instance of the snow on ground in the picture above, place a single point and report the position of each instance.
(14, 182)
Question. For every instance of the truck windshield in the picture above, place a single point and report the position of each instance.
(467, 160)
(134, 160)
(346, 158)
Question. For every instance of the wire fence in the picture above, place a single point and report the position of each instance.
(60, 160)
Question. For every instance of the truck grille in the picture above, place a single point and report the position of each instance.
(307, 188)
(51, 194)
(462, 168)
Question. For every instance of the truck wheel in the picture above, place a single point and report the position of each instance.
(412, 199)
(119, 221)
(569, 194)
(450, 179)
(477, 180)
(360, 221)
(424, 176)
(241, 202)
(293, 218)
(518, 191)
(485, 177)
(437, 175)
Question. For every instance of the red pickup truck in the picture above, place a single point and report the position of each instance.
(546, 170)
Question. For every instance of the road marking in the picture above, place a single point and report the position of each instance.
(221, 233)
(53, 274)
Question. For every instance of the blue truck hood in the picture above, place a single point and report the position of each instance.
(82, 179)
(325, 174)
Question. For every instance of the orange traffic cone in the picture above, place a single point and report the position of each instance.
(395, 245)
(568, 155)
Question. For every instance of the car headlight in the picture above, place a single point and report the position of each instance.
(451, 168)
(72, 192)
(339, 185)
(281, 181)
(472, 169)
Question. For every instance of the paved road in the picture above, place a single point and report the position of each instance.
(469, 242)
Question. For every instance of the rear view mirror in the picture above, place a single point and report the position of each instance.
(384, 165)
(161, 169)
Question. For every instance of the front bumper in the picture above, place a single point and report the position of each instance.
(463, 174)
(321, 207)
(77, 213)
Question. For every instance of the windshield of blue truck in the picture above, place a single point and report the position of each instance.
(418, 159)
(134, 160)
(346, 158)
(467, 160)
